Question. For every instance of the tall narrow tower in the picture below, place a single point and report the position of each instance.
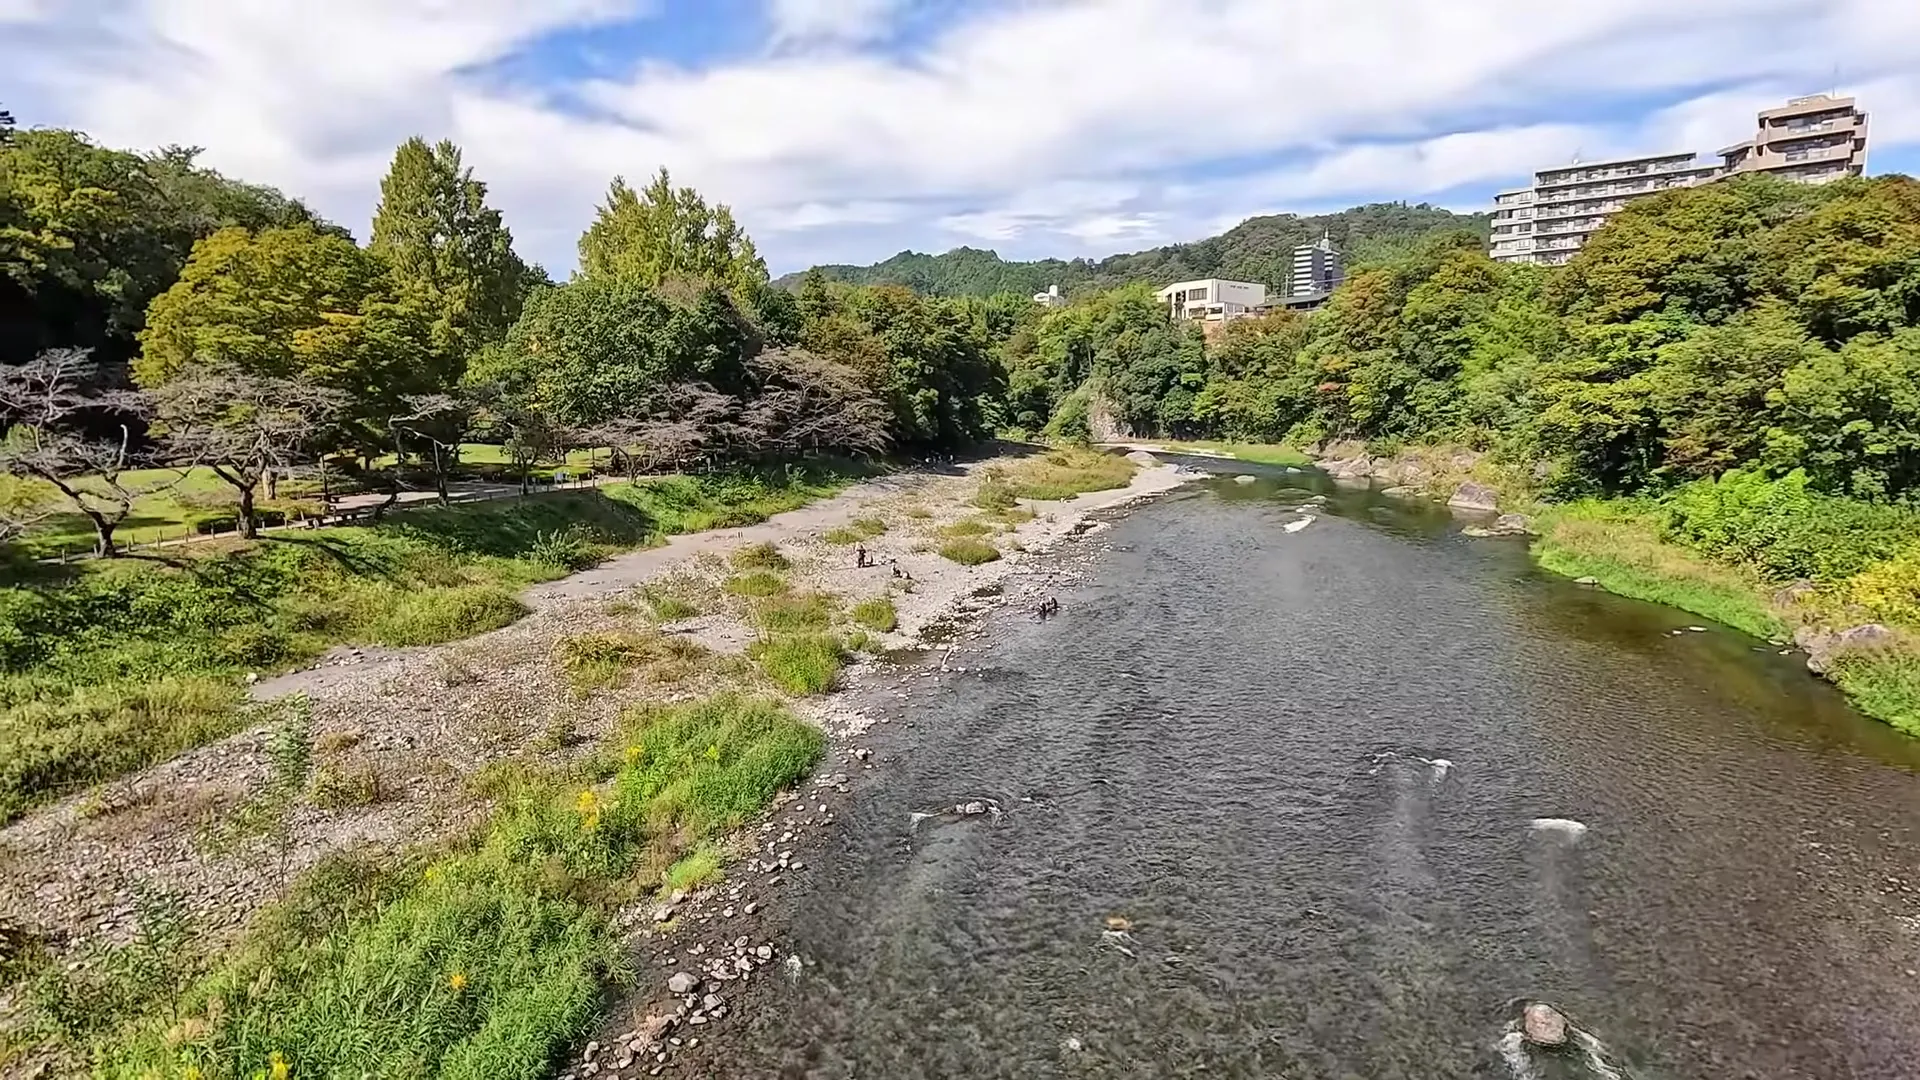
(1316, 268)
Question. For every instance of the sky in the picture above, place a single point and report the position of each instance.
(848, 130)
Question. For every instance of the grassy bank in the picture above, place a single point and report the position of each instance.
(481, 961)
(127, 662)
(1767, 557)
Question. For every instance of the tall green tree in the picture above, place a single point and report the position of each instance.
(291, 304)
(449, 252)
(662, 232)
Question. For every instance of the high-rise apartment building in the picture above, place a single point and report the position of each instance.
(1548, 222)
(1316, 269)
(1810, 140)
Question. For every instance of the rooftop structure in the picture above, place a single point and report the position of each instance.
(1810, 139)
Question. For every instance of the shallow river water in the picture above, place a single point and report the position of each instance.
(1309, 770)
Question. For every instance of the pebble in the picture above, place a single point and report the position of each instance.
(682, 983)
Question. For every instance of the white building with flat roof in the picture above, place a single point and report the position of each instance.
(1548, 222)
(1212, 298)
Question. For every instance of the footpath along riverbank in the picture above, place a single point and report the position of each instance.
(401, 740)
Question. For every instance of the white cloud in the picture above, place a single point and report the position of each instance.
(835, 20)
(1062, 127)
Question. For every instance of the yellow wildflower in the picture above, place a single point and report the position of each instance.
(633, 754)
(281, 1070)
(458, 981)
(192, 1073)
(588, 806)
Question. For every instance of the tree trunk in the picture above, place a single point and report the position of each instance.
(273, 483)
(440, 466)
(103, 544)
(248, 531)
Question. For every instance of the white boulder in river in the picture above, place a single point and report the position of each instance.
(1559, 826)
(1243, 479)
(1543, 1025)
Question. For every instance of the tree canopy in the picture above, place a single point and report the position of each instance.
(662, 232)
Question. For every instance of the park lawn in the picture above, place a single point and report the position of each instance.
(169, 514)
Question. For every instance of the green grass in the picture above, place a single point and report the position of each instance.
(696, 868)
(762, 556)
(1056, 474)
(793, 614)
(118, 664)
(800, 663)
(488, 961)
(1259, 453)
(757, 583)
(603, 661)
(968, 527)
(668, 607)
(876, 614)
(856, 531)
(969, 552)
(1622, 550)
(1884, 685)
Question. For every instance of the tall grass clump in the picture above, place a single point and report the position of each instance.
(602, 661)
(856, 531)
(756, 583)
(762, 556)
(488, 961)
(790, 614)
(876, 614)
(800, 663)
(969, 552)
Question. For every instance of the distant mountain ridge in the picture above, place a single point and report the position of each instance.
(1258, 249)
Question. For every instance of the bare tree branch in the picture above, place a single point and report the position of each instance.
(244, 427)
(55, 405)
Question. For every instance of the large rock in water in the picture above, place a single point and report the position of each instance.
(1824, 647)
(1472, 496)
(1142, 458)
(1543, 1025)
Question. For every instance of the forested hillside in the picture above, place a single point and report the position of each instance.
(1258, 249)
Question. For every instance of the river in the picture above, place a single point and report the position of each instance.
(1273, 807)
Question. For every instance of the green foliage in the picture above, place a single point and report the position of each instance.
(1851, 418)
(876, 614)
(969, 552)
(449, 253)
(604, 347)
(1258, 249)
(756, 583)
(1784, 529)
(294, 302)
(761, 556)
(1059, 474)
(653, 236)
(788, 614)
(800, 663)
(450, 614)
(502, 950)
(968, 527)
(855, 531)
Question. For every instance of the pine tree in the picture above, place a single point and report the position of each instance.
(449, 252)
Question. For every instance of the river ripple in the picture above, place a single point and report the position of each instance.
(1304, 767)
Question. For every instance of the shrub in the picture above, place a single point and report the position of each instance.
(568, 549)
(338, 787)
(433, 616)
(855, 531)
(876, 614)
(1783, 529)
(764, 556)
(801, 664)
(969, 552)
(1890, 589)
(757, 583)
